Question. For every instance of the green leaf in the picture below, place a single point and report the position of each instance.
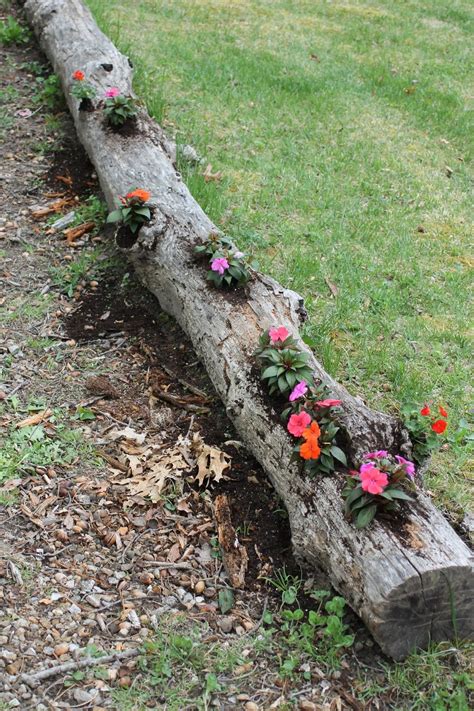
(338, 454)
(83, 413)
(114, 216)
(398, 494)
(366, 499)
(354, 495)
(236, 273)
(314, 618)
(366, 515)
(144, 211)
(270, 372)
(226, 600)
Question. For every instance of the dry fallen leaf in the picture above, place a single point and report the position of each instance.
(35, 419)
(212, 462)
(174, 553)
(127, 433)
(332, 287)
(154, 470)
(208, 175)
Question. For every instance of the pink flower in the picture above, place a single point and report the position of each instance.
(328, 403)
(372, 480)
(298, 391)
(409, 466)
(113, 91)
(298, 423)
(379, 454)
(278, 334)
(219, 264)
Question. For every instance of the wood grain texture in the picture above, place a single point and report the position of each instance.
(411, 586)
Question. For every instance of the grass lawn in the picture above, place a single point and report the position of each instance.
(343, 133)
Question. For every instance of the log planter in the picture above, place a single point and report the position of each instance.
(411, 582)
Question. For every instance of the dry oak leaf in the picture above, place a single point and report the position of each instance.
(208, 175)
(167, 466)
(211, 462)
(35, 419)
(127, 433)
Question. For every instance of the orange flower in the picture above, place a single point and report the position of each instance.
(310, 449)
(142, 195)
(442, 411)
(79, 76)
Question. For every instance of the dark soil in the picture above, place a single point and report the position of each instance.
(129, 129)
(70, 168)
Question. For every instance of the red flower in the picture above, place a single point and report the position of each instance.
(298, 423)
(373, 480)
(425, 411)
(142, 195)
(439, 426)
(78, 75)
(442, 411)
(278, 334)
(328, 403)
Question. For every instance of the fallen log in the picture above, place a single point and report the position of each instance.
(411, 584)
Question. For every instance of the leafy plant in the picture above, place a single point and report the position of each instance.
(11, 32)
(119, 109)
(308, 404)
(425, 428)
(134, 212)
(283, 364)
(49, 92)
(288, 585)
(318, 635)
(43, 445)
(228, 266)
(93, 209)
(81, 89)
(380, 485)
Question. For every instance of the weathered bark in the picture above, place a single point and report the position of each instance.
(234, 554)
(409, 587)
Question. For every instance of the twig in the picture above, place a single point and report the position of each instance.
(15, 389)
(34, 679)
(177, 402)
(164, 566)
(111, 460)
(189, 386)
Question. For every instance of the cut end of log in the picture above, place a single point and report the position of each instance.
(433, 606)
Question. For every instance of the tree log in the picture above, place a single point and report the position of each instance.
(410, 586)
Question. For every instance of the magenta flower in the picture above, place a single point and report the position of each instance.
(298, 391)
(298, 423)
(278, 334)
(379, 454)
(372, 480)
(328, 403)
(113, 91)
(219, 264)
(409, 466)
